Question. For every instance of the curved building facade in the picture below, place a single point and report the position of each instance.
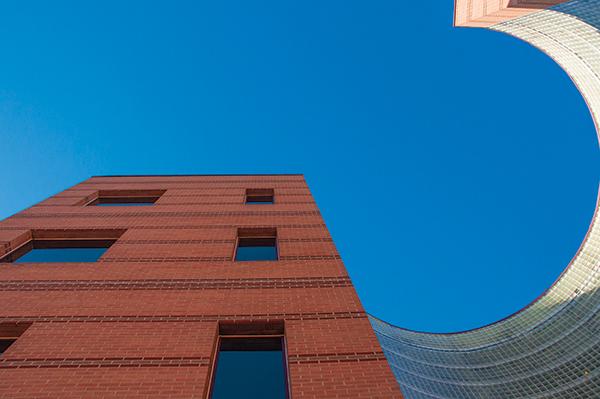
(550, 349)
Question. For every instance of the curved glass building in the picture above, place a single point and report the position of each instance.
(550, 349)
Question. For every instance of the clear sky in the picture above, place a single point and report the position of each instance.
(457, 169)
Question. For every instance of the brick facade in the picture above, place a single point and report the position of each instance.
(486, 13)
(143, 321)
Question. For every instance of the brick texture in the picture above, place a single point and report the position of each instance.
(485, 13)
(142, 322)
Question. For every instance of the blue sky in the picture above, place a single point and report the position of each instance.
(457, 169)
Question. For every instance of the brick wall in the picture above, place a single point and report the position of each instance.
(486, 13)
(143, 320)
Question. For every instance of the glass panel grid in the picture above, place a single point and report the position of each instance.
(551, 349)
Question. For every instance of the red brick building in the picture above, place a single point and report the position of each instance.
(148, 317)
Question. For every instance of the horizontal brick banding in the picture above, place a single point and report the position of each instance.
(191, 227)
(310, 257)
(173, 242)
(186, 318)
(144, 320)
(189, 259)
(194, 259)
(165, 214)
(240, 202)
(105, 362)
(209, 182)
(104, 382)
(219, 241)
(336, 358)
(324, 239)
(176, 186)
(180, 302)
(195, 284)
(238, 194)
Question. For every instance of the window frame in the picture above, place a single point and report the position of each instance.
(12, 332)
(259, 193)
(249, 330)
(63, 239)
(256, 233)
(4, 339)
(117, 197)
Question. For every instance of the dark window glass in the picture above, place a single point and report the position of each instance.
(125, 204)
(42, 251)
(124, 201)
(260, 196)
(258, 200)
(10, 332)
(5, 343)
(250, 368)
(61, 255)
(256, 249)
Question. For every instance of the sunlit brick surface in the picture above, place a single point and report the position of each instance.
(142, 321)
(551, 349)
(486, 13)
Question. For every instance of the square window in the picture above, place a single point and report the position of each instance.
(250, 363)
(260, 196)
(79, 246)
(256, 245)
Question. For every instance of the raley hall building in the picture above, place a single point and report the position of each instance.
(182, 287)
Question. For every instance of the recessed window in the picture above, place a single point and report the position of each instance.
(5, 343)
(127, 198)
(250, 367)
(9, 333)
(256, 245)
(260, 196)
(122, 202)
(85, 248)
